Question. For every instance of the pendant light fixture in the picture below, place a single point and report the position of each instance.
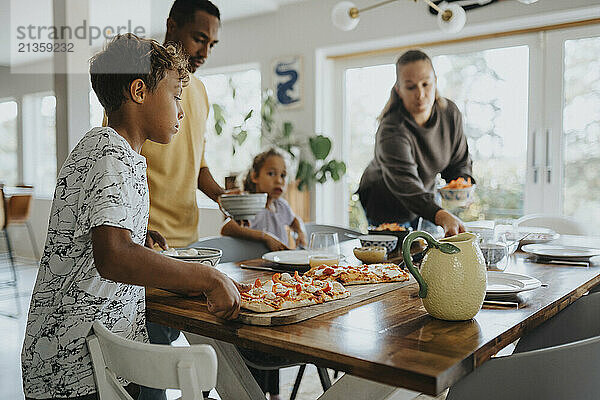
(450, 17)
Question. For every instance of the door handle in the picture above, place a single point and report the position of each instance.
(534, 165)
(548, 157)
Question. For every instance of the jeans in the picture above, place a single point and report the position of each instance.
(157, 334)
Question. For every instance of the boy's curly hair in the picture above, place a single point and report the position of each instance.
(127, 58)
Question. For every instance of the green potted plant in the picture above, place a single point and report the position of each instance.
(308, 152)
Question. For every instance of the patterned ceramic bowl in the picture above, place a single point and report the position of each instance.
(458, 197)
(205, 255)
(387, 241)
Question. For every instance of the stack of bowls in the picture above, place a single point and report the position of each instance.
(243, 206)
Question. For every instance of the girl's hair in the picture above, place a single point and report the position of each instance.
(257, 165)
(394, 101)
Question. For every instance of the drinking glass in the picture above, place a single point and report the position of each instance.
(495, 250)
(324, 248)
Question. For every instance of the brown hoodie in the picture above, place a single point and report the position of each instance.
(399, 183)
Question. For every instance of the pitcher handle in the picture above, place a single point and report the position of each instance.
(447, 248)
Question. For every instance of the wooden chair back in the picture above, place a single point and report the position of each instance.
(18, 208)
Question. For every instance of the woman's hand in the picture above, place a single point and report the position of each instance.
(155, 238)
(451, 224)
(273, 243)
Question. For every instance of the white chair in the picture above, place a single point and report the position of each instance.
(558, 360)
(234, 249)
(191, 369)
(558, 223)
(343, 233)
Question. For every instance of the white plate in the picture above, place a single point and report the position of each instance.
(561, 252)
(533, 235)
(288, 257)
(507, 284)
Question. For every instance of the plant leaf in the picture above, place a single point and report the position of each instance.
(218, 110)
(287, 129)
(240, 138)
(218, 127)
(320, 146)
(247, 117)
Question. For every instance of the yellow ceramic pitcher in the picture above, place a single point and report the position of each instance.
(452, 280)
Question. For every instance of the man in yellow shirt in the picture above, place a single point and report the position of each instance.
(177, 169)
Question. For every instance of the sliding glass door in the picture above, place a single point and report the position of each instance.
(531, 111)
(577, 124)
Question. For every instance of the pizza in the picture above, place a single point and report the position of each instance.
(356, 275)
(285, 291)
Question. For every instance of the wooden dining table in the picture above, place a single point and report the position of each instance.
(383, 343)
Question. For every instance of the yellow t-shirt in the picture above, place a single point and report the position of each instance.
(173, 170)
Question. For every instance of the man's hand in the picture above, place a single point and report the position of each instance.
(223, 298)
(273, 243)
(153, 238)
(451, 224)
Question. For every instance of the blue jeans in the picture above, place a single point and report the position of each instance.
(157, 334)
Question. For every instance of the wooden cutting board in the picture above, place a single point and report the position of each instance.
(358, 293)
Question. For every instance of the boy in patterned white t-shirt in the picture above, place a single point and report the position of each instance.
(95, 265)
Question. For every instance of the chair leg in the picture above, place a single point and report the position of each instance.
(12, 282)
(324, 377)
(335, 374)
(36, 252)
(297, 382)
(12, 259)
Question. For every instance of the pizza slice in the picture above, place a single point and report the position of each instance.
(357, 275)
(284, 291)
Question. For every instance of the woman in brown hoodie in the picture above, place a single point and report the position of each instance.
(420, 135)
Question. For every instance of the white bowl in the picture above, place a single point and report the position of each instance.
(206, 255)
(243, 206)
(387, 241)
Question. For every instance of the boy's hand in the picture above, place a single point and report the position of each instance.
(224, 298)
(273, 243)
(153, 238)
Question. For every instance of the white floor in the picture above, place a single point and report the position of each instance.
(12, 330)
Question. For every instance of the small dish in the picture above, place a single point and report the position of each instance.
(370, 254)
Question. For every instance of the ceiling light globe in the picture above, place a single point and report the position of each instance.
(340, 16)
(451, 18)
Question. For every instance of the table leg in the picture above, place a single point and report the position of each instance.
(234, 380)
(352, 387)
